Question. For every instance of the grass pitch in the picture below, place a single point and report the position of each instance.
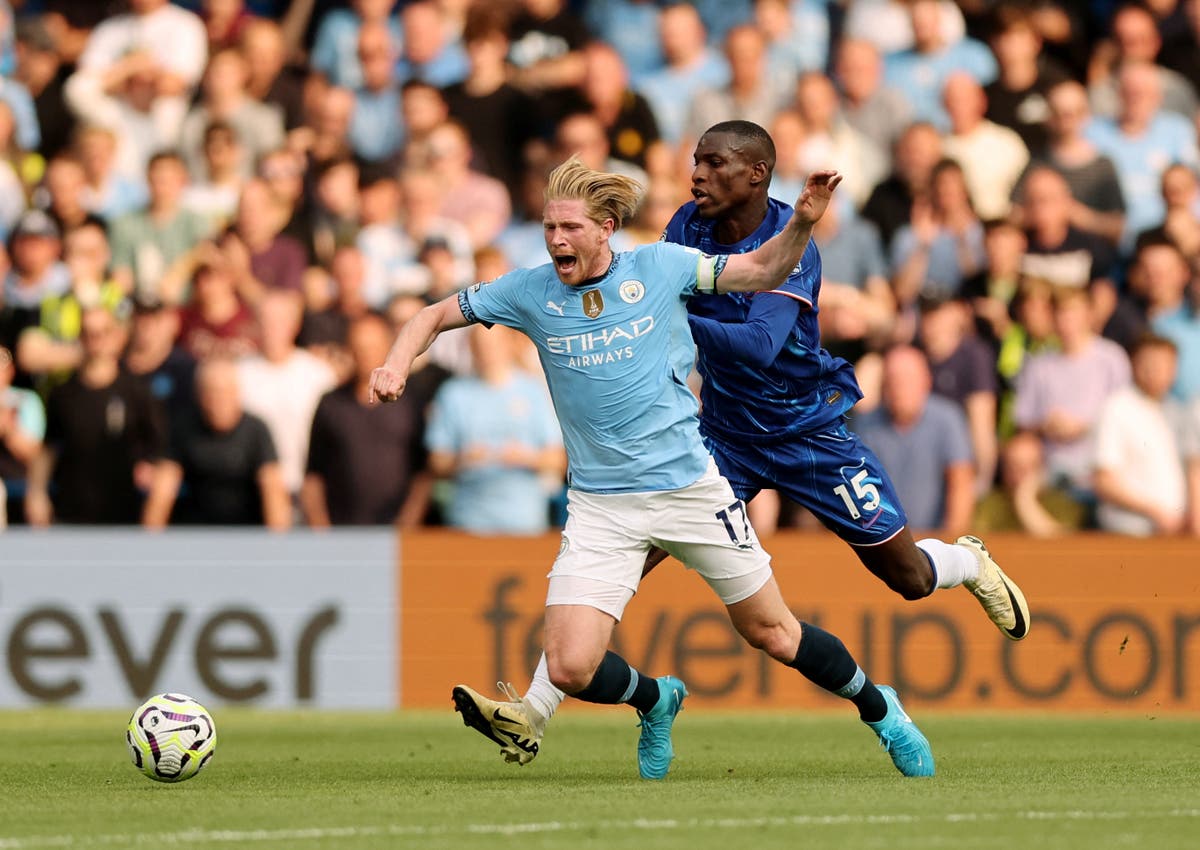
(422, 780)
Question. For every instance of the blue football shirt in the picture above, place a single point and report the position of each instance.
(804, 389)
(616, 352)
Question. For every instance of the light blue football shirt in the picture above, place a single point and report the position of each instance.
(617, 352)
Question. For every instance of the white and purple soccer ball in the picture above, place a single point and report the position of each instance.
(171, 737)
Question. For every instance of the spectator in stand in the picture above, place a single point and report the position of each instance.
(890, 204)
(1140, 478)
(831, 142)
(225, 458)
(1142, 141)
(25, 131)
(151, 58)
(874, 108)
(963, 369)
(752, 93)
(259, 126)
(147, 244)
(215, 322)
(389, 254)
(583, 133)
(325, 136)
(13, 194)
(334, 216)
(626, 115)
(992, 157)
(943, 245)
(224, 21)
(546, 55)
(432, 50)
(1024, 501)
(65, 186)
(287, 383)
(1181, 49)
(330, 325)
(22, 427)
(495, 436)
(364, 459)
(1099, 206)
(1060, 393)
(494, 112)
(261, 257)
(152, 355)
(1058, 251)
(888, 24)
(284, 172)
(1161, 277)
(44, 75)
(1017, 98)
(921, 72)
(335, 48)
(376, 129)
(215, 196)
(631, 27)
(103, 433)
(797, 33)
(36, 271)
(474, 200)
(923, 442)
(691, 65)
(269, 79)
(424, 110)
(857, 307)
(51, 350)
(107, 192)
(422, 204)
(991, 292)
(1030, 332)
(1135, 39)
(1181, 225)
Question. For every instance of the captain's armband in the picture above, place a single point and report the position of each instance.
(708, 270)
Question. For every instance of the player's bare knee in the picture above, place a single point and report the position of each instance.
(912, 584)
(569, 675)
(772, 638)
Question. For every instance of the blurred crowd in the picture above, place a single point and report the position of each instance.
(215, 215)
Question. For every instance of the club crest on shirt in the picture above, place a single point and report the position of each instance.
(632, 291)
(593, 303)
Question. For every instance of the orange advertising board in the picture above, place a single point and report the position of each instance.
(1116, 626)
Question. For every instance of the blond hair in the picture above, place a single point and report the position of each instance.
(605, 196)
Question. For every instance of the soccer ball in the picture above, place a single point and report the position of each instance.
(171, 737)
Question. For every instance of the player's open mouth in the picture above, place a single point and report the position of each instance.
(565, 263)
(700, 197)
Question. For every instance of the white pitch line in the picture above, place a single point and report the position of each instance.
(236, 836)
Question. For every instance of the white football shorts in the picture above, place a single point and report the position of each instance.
(607, 536)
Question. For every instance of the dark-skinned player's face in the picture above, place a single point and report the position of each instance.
(723, 176)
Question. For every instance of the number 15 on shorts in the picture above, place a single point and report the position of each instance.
(865, 498)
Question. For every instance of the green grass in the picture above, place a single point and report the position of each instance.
(424, 781)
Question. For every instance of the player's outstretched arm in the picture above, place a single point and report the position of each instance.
(769, 265)
(388, 381)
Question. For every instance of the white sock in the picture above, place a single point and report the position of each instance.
(542, 696)
(952, 564)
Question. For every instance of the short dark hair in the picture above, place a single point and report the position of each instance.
(1153, 340)
(755, 140)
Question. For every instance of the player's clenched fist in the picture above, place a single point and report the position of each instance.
(386, 384)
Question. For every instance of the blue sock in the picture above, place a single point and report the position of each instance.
(824, 660)
(616, 682)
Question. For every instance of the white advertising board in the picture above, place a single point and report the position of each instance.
(102, 618)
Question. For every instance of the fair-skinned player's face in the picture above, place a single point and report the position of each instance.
(578, 246)
(722, 176)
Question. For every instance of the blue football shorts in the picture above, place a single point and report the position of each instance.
(831, 473)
